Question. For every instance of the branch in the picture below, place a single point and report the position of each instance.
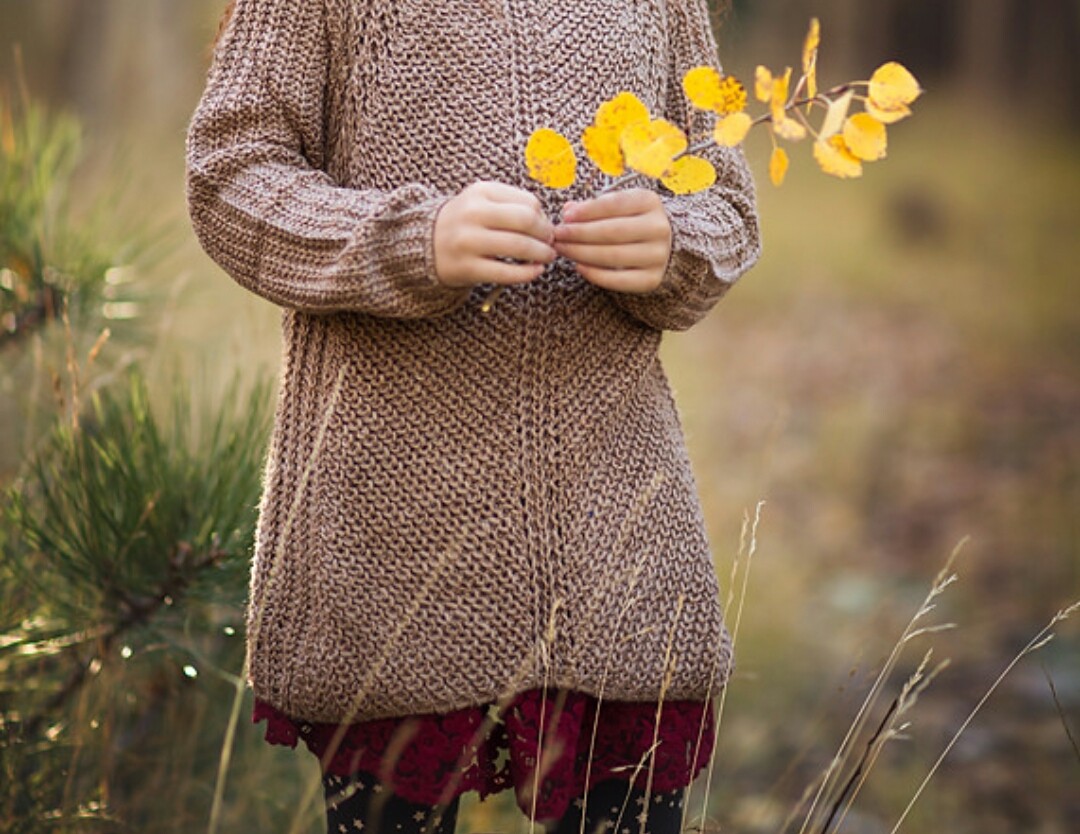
(137, 612)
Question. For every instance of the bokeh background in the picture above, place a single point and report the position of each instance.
(899, 376)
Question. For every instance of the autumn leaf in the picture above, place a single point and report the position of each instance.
(551, 158)
(620, 111)
(835, 115)
(809, 56)
(774, 90)
(651, 147)
(702, 87)
(731, 130)
(708, 90)
(865, 137)
(778, 166)
(888, 117)
(732, 96)
(892, 86)
(780, 89)
(763, 84)
(892, 89)
(789, 129)
(602, 146)
(689, 174)
(601, 139)
(833, 157)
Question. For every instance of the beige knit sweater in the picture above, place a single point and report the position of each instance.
(459, 506)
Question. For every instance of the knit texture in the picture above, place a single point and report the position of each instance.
(459, 506)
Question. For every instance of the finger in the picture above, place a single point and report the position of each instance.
(490, 271)
(618, 203)
(616, 230)
(500, 192)
(635, 281)
(497, 244)
(629, 256)
(515, 218)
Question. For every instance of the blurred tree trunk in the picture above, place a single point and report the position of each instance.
(984, 41)
(111, 60)
(1021, 51)
(81, 47)
(840, 22)
(1052, 65)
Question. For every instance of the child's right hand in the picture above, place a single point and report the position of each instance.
(492, 233)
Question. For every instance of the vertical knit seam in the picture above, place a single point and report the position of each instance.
(526, 394)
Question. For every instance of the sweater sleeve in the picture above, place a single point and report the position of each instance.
(715, 233)
(260, 201)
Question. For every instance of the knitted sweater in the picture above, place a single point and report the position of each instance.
(460, 505)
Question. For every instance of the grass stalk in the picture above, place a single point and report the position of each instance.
(747, 546)
(1037, 642)
(825, 796)
(669, 671)
(225, 759)
(887, 730)
(1061, 714)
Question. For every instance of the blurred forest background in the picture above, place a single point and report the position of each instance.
(900, 373)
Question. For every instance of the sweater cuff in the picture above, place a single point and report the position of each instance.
(410, 255)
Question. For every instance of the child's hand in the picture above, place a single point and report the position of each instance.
(620, 241)
(492, 233)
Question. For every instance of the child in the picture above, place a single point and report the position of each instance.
(479, 534)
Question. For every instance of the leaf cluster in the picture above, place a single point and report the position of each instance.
(624, 135)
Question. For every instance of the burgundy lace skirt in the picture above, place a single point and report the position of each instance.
(433, 758)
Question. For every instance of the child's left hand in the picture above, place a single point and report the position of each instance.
(620, 241)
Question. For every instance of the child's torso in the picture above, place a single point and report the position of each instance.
(448, 91)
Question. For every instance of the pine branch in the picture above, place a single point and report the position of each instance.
(137, 612)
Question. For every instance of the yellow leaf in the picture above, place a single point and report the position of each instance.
(602, 146)
(789, 129)
(650, 147)
(551, 158)
(732, 96)
(620, 111)
(809, 56)
(865, 137)
(690, 174)
(778, 166)
(888, 116)
(702, 87)
(708, 90)
(834, 117)
(763, 84)
(601, 139)
(892, 87)
(780, 89)
(834, 158)
(731, 130)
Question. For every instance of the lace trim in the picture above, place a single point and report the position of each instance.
(432, 758)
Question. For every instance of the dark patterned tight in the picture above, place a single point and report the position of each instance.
(364, 805)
